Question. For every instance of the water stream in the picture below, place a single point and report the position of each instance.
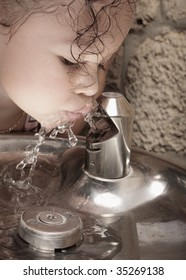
(30, 160)
(17, 184)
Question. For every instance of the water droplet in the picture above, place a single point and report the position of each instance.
(92, 116)
(71, 137)
(54, 133)
(89, 119)
(21, 165)
(65, 128)
(62, 128)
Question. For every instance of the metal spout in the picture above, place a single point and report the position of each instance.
(108, 144)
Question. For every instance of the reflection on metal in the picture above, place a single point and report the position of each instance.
(109, 157)
(157, 188)
(107, 199)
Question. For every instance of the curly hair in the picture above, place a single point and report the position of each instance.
(16, 12)
(100, 21)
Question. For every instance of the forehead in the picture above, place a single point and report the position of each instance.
(98, 17)
(79, 28)
(98, 23)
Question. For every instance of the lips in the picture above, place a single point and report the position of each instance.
(84, 110)
(54, 120)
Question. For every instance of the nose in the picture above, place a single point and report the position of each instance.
(89, 90)
(87, 87)
(86, 84)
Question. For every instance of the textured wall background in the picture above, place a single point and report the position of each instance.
(150, 70)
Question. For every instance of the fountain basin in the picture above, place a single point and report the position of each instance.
(140, 216)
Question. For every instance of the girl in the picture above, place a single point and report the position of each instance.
(54, 56)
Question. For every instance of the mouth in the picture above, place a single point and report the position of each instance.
(84, 110)
(59, 118)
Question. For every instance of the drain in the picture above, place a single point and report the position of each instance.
(48, 228)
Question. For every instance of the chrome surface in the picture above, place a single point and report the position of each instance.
(47, 228)
(108, 157)
(151, 225)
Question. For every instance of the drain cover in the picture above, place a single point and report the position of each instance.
(48, 228)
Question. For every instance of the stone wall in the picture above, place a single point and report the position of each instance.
(150, 70)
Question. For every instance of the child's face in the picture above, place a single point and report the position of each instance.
(40, 75)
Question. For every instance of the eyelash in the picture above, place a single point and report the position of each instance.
(76, 65)
(68, 63)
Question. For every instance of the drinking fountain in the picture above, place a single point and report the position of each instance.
(102, 199)
(111, 182)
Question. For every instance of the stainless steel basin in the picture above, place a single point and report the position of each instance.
(150, 223)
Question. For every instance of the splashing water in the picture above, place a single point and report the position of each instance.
(65, 128)
(31, 158)
(32, 155)
(90, 117)
(19, 187)
(22, 187)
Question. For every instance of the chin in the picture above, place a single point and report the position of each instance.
(52, 121)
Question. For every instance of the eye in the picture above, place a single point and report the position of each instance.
(68, 62)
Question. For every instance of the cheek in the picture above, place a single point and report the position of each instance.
(35, 80)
